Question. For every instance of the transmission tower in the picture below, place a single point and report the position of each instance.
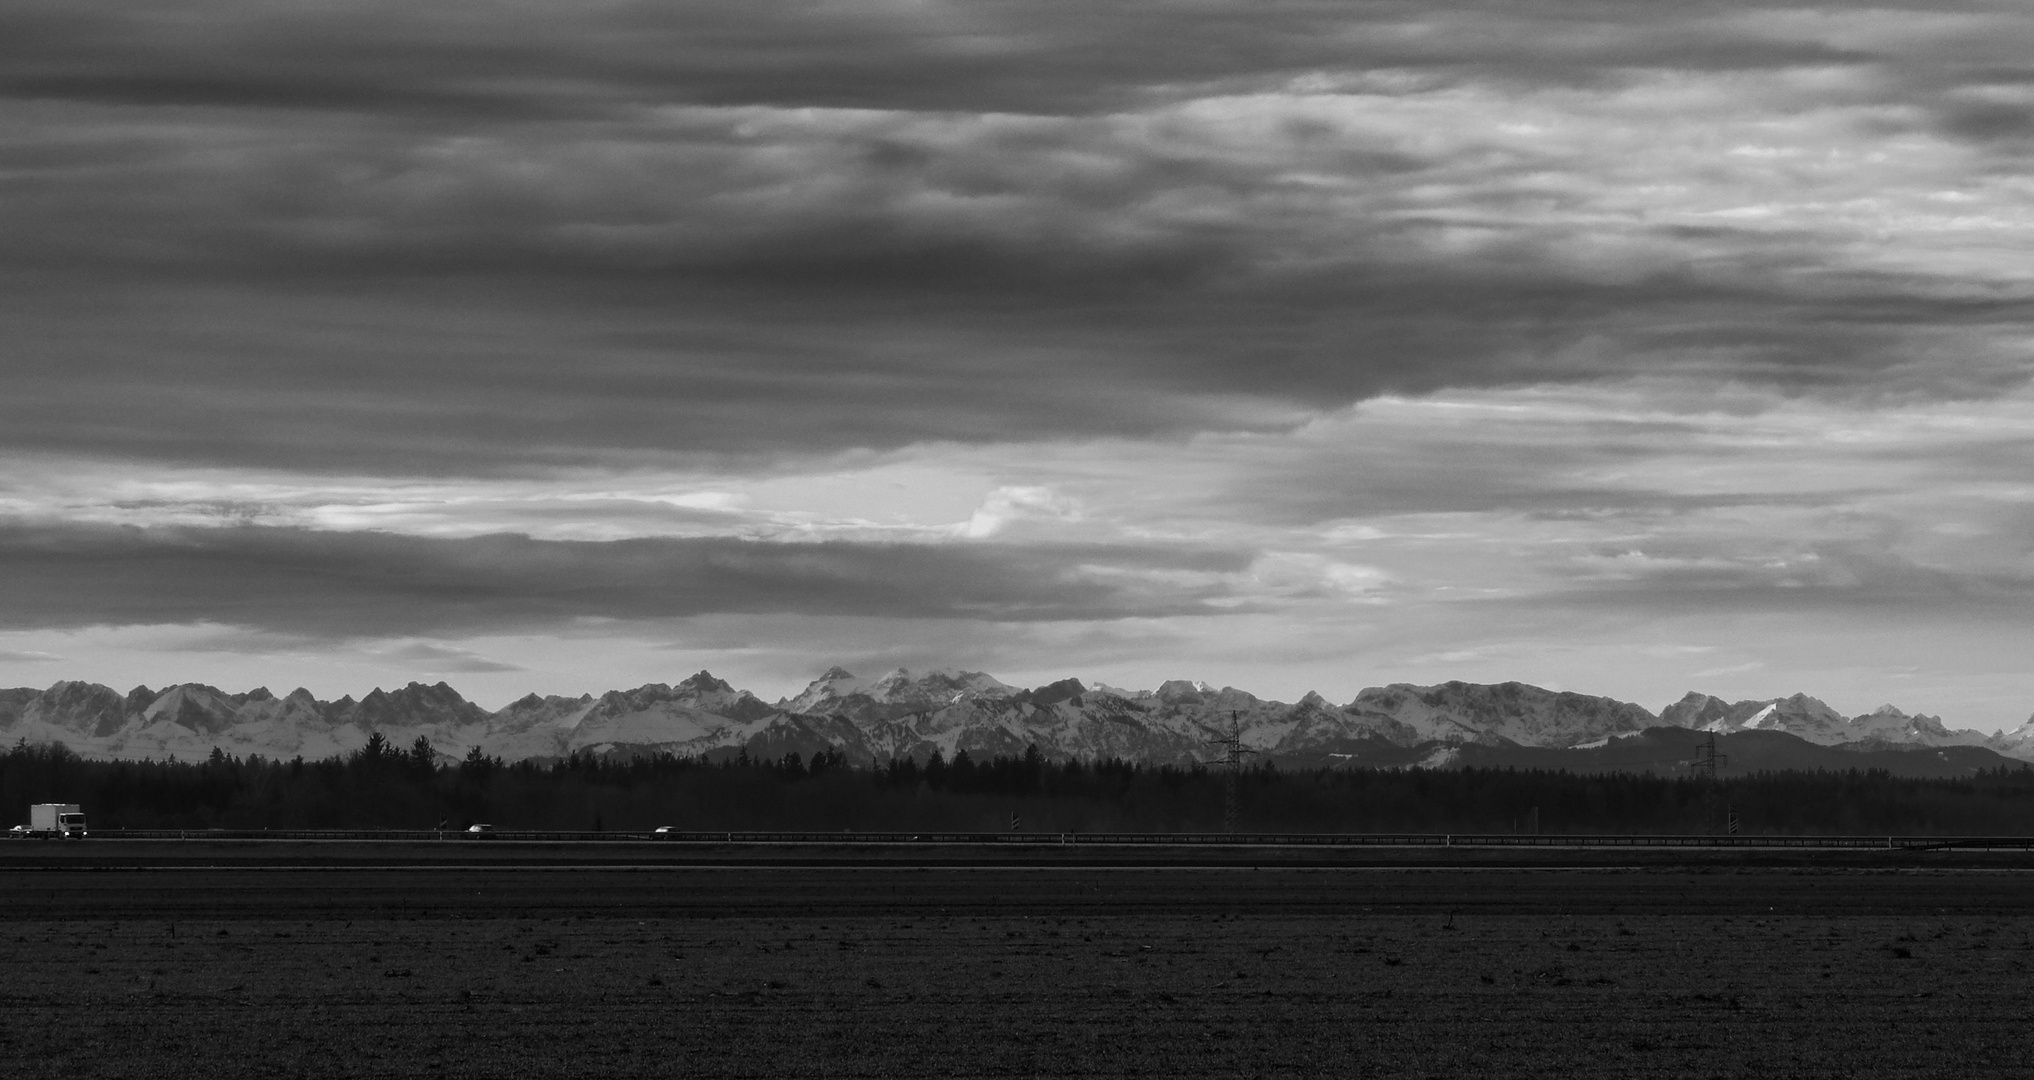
(1707, 760)
(1232, 756)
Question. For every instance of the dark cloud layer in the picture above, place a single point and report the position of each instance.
(478, 237)
(345, 584)
(1024, 56)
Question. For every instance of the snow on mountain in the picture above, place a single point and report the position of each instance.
(894, 693)
(435, 712)
(75, 710)
(1888, 725)
(1509, 712)
(1697, 711)
(193, 707)
(12, 701)
(189, 719)
(287, 726)
(534, 726)
(1816, 722)
(914, 714)
(1799, 715)
(2017, 743)
(837, 684)
(699, 714)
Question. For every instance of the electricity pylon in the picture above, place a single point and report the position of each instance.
(1233, 751)
(1707, 759)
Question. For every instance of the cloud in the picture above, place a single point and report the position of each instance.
(1008, 505)
(468, 238)
(359, 584)
(1728, 669)
(17, 656)
(440, 658)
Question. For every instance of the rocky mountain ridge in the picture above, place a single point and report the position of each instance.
(902, 713)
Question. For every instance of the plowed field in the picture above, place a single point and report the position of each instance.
(1082, 971)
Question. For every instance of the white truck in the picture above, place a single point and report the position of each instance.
(65, 820)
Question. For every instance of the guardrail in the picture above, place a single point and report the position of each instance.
(868, 839)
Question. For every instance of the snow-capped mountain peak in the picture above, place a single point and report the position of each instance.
(836, 683)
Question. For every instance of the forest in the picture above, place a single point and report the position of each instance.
(381, 786)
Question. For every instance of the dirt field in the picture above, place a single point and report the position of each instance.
(1075, 971)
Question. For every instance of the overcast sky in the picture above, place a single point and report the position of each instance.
(1614, 347)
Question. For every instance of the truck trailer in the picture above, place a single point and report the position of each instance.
(66, 820)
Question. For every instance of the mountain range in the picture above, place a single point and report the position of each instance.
(907, 714)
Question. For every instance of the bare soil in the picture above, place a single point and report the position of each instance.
(1048, 971)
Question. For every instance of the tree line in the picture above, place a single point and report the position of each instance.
(384, 786)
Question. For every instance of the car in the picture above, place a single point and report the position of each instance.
(667, 832)
(480, 830)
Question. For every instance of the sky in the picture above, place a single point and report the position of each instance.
(1630, 349)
